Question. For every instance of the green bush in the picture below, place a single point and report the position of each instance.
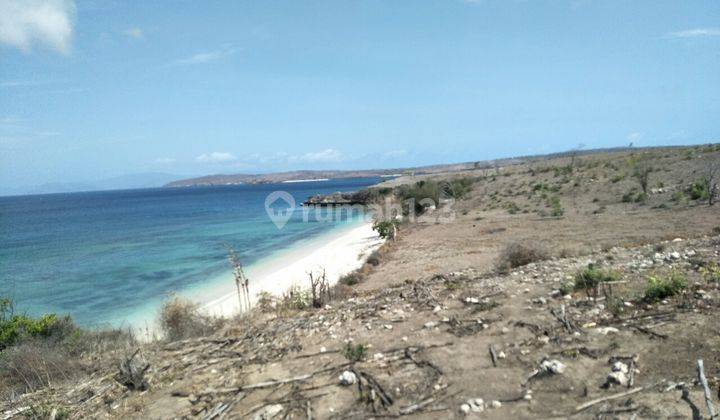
(16, 328)
(557, 209)
(698, 190)
(354, 353)
(659, 288)
(350, 279)
(420, 195)
(385, 228)
(590, 278)
(457, 188)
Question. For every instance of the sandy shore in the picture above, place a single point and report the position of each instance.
(338, 253)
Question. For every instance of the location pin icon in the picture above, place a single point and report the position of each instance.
(279, 215)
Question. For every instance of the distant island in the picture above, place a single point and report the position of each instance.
(316, 175)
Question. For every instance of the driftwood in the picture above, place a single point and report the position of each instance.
(706, 389)
(493, 355)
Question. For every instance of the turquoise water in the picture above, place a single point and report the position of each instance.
(102, 256)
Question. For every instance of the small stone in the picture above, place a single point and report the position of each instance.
(472, 300)
(607, 330)
(378, 356)
(477, 405)
(347, 378)
(501, 355)
(553, 366)
(437, 309)
(404, 339)
(505, 330)
(620, 367)
(388, 326)
(323, 349)
(465, 408)
(617, 378)
(430, 324)
(495, 404)
(544, 339)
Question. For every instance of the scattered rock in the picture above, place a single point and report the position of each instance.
(553, 366)
(347, 378)
(607, 330)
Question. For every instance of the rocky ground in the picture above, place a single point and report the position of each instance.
(436, 331)
(446, 345)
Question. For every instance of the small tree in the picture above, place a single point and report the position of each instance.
(642, 174)
(712, 173)
(386, 228)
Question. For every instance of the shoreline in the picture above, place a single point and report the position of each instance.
(338, 252)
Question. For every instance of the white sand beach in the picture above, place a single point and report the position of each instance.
(338, 253)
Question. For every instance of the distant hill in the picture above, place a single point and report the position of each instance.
(236, 179)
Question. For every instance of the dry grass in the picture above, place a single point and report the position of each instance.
(180, 319)
(518, 254)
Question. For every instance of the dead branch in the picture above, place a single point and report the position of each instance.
(706, 389)
(589, 404)
(493, 355)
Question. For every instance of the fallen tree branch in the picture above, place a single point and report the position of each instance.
(589, 404)
(706, 389)
(493, 355)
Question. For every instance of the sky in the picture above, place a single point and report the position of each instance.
(103, 88)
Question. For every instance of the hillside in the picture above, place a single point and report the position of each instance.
(575, 286)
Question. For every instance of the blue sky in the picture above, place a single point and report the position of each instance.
(97, 89)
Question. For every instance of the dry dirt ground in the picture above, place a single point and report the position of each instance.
(435, 327)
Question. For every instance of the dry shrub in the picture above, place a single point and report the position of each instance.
(374, 258)
(35, 364)
(518, 254)
(180, 319)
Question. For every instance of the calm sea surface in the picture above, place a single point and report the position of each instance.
(100, 255)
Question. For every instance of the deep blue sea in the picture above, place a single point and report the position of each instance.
(101, 255)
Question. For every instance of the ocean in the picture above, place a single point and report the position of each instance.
(102, 256)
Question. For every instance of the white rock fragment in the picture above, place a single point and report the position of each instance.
(475, 405)
(347, 378)
(494, 404)
(617, 378)
(430, 324)
(323, 349)
(501, 355)
(388, 326)
(620, 367)
(554, 367)
(607, 330)
(472, 300)
(465, 408)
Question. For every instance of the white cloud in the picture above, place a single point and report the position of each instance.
(694, 33)
(164, 160)
(134, 32)
(634, 136)
(327, 155)
(216, 157)
(26, 22)
(205, 57)
(392, 154)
